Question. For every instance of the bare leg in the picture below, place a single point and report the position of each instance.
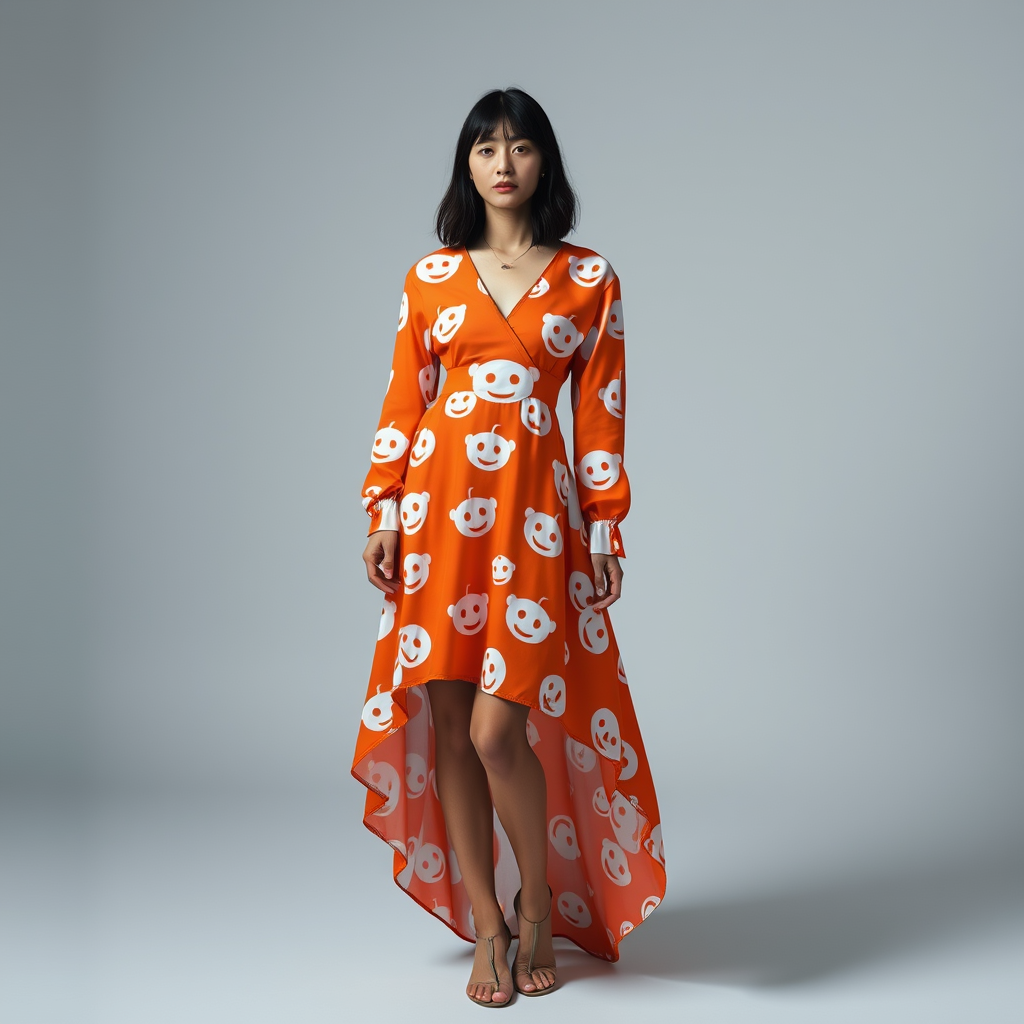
(519, 791)
(469, 817)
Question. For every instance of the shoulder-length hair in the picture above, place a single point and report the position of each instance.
(554, 207)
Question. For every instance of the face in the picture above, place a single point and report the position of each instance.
(495, 161)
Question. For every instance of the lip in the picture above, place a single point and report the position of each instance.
(505, 186)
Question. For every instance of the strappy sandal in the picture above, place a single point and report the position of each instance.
(489, 939)
(531, 961)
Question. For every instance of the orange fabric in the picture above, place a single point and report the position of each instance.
(498, 583)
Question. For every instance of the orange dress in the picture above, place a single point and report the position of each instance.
(496, 528)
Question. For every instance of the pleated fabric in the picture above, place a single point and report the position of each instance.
(496, 527)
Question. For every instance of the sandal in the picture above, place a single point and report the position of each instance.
(489, 939)
(529, 964)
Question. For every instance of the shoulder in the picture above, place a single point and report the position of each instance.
(587, 266)
(436, 267)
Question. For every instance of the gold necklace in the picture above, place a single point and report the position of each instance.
(507, 266)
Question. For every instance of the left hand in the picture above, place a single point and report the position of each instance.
(607, 580)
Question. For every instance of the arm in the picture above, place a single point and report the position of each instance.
(599, 427)
(413, 383)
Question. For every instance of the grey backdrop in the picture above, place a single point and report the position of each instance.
(816, 212)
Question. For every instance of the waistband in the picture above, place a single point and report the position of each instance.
(510, 378)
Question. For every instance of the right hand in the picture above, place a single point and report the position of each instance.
(381, 557)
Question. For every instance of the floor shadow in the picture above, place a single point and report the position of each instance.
(799, 935)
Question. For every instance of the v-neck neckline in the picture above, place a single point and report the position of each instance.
(523, 297)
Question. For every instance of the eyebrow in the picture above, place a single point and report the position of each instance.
(492, 138)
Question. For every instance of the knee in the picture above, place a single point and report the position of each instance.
(495, 743)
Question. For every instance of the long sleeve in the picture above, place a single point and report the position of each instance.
(411, 389)
(599, 426)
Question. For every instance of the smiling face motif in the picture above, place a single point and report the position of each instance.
(413, 646)
(469, 613)
(378, 713)
(474, 516)
(604, 731)
(430, 863)
(384, 777)
(587, 271)
(581, 590)
(415, 775)
(540, 288)
(614, 325)
(648, 906)
(387, 617)
(389, 444)
(488, 449)
(574, 910)
(552, 696)
(527, 620)
(655, 845)
(422, 446)
(620, 670)
(543, 533)
(503, 380)
(502, 568)
(403, 311)
(459, 404)
(448, 321)
(492, 674)
(599, 469)
(427, 378)
(560, 336)
(415, 570)
(579, 755)
(612, 397)
(629, 762)
(413, 510)
(437, 267)
(562, 833)
(625, 823)
(613, 861)
(594, 634)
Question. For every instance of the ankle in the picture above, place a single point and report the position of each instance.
(534, 904)
(489, 921)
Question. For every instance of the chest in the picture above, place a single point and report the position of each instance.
(508, 287)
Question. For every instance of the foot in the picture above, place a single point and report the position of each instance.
(534, 965)
(482, 987)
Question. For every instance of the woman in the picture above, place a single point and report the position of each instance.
(498, 740)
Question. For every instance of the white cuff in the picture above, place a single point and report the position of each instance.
(388, 508)
(601, 537)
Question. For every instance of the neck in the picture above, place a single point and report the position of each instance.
(509, 231)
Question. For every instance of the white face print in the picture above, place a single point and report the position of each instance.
(562, 833)
(389, 444)
(459, 404)
(552, 696)
(415, 775)
(561, 481)
(396, 675)
(448, 321)
(422, 446)
(613, 861)
(621, 671)
(387, 617)
(587, 271)
(413, 510)
(403, 311)
(481, 287)
(611, 395)
(532, 733)
(600, 802)
(428, 383)
(469, 613)
(579, 755)
(415, 570)
(404, 877)
(614, 325)
(540, 288)
(385, 778)
(502, 568)
(625, 928)
(492, 674)
(413, 646)
(574, 910)
(655, 846)
(370, 495)
(581, 590)
(625, 823)
(543, 533)
(629, 762)
(599, 469)
(566, 652)
(528, 620)
(437, 267)
(430, 863)
(378, 712)
(604, 731)
(488, 449)
(560, 336)
(594, 633)
(536, 415)
(503, 380)
(648, 906)
(474, 516)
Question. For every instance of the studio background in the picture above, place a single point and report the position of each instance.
(815, 210)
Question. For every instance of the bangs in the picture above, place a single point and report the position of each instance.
(499, 114)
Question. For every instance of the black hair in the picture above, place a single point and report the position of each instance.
(554, 206)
